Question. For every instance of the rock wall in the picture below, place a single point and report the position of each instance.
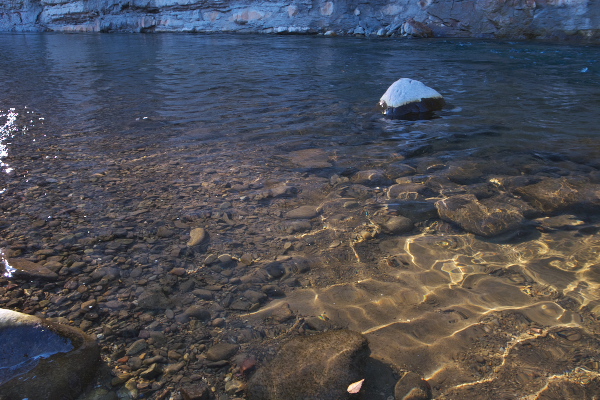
(442, 18)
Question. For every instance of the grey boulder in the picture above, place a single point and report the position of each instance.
(313, 367)
(43, 360)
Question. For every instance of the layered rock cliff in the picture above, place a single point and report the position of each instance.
(464, 18)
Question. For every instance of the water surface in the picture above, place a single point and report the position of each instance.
(125, 134)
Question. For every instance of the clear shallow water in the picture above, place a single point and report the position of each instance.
(109, 132)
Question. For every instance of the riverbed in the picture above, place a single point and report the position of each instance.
(317, 212)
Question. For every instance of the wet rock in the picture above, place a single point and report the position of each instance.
(21, 268)
(174, 368)
(198, 391)
(398, 170)
(203, 294)
(283, 191)
(312, 367)
(487, 220)
(298, 226)
(197, 236)
(221, 351)
(275, 270)
(412, 387)
(152, 372)
(414, 210)
(194, 311)
(303, 212)
(136, 347)
(409, 191)
(398, 225)
(372, 177)
(164, 232)
(43, 360)
(557, 194)
(153, 299)
(234, 386)
(410, 99)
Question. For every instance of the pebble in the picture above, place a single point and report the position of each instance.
(174, 368)
(197, 236)
(136, 347)
(398, 225)
(221, 351)
(225, 258)
(303, 212)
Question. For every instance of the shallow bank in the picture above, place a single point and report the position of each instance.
(521, 19)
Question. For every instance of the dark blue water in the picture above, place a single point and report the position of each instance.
(195, 88)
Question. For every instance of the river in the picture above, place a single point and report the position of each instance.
(114, 147)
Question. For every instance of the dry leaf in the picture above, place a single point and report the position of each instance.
(355, 387)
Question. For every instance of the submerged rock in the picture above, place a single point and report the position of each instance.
(489, 218)
(43, 360)
(312, 367)
(410, 99)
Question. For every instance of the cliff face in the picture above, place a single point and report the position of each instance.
(465, 18)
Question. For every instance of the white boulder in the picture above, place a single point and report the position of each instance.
(410, 99)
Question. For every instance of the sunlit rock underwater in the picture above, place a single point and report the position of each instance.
(43, 360)
(410, 99)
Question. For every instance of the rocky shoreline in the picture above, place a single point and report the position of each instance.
(523, 19)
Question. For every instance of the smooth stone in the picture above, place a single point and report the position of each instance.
(412, 387)
(552, 195)
(479, 218)
(319, 366)
(173, 368)
(409, 191)
(164, 232)
(20, 268)
(398, 225)
(136, 347)
(203, 294)
(153, 371)
(234, 386)
(199, 391)
(283, 191)
(303, 212)
(275, 270)
(408, 98)
(153, 299)
(415, 210)
(194, 312)
(197, 236)
(40, 359)
(221, 351)
(372, 177)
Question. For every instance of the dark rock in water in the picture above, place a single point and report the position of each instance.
(371, 177)
(398, 225)
(221, 351)
(312, 367)
(487, 219)
(557, 194)
(412, 387)
(153, 299)
(43, 360)
(410, 99)
(20, 268)
(415, 210)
